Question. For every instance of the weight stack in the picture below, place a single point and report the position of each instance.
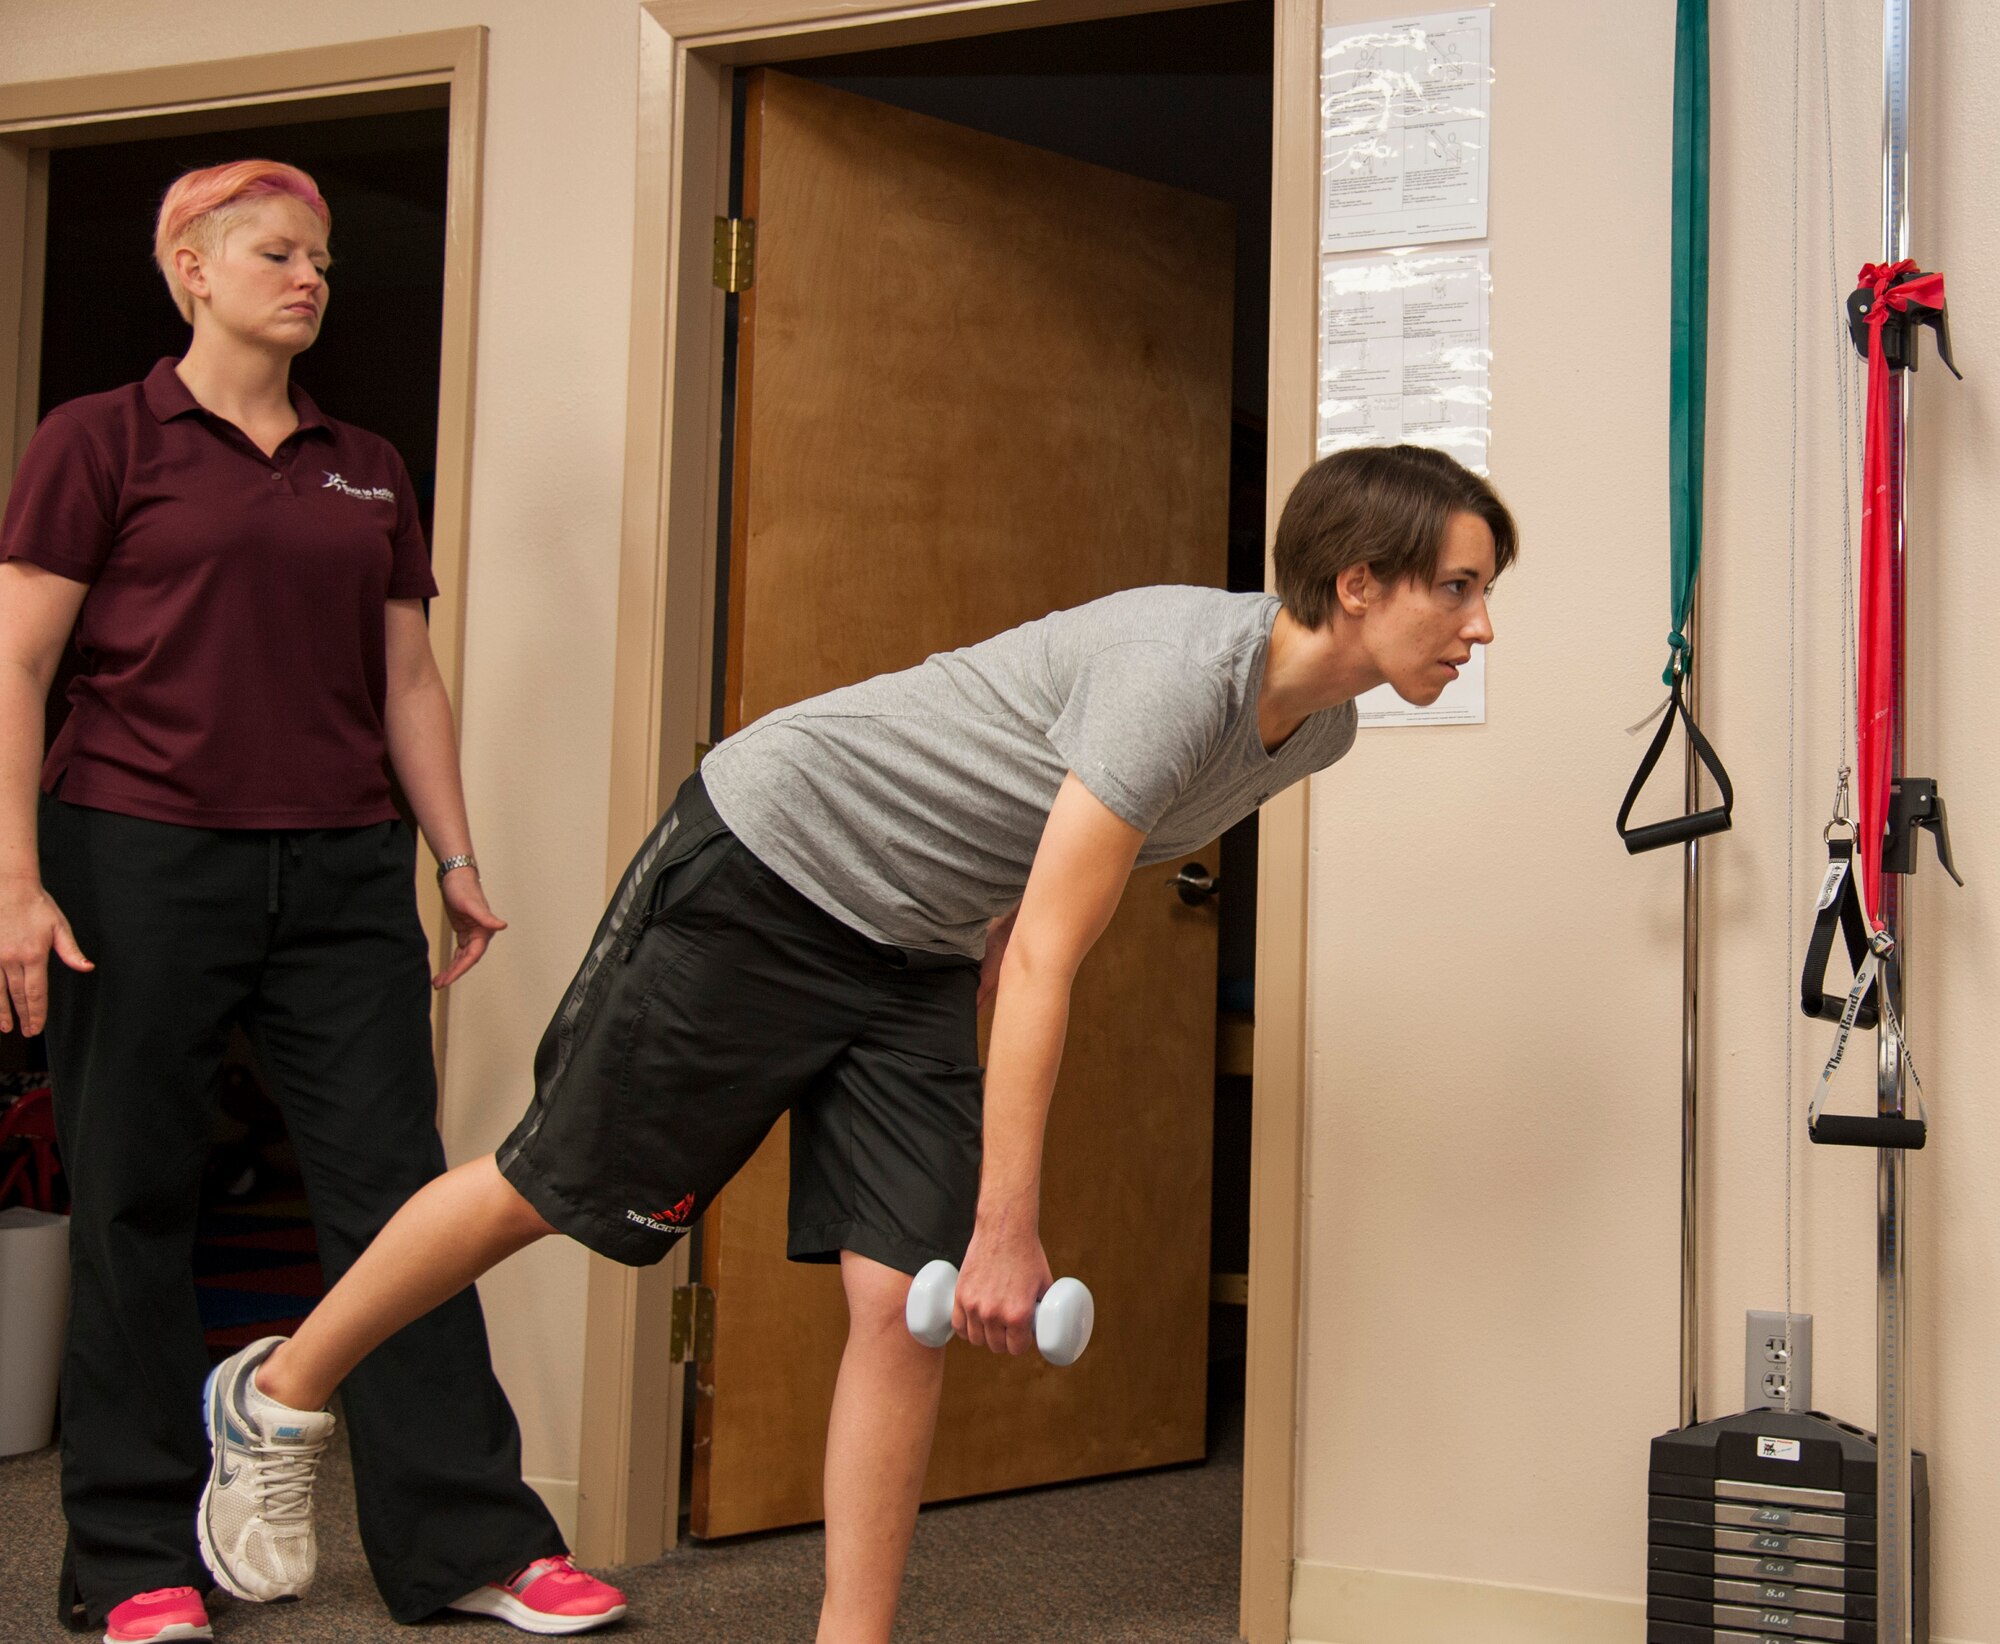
(1761, 1529)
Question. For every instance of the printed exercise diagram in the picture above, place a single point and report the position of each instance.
(1405, 112)
(1403, 353)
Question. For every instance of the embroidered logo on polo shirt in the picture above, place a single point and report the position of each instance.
(374, 493)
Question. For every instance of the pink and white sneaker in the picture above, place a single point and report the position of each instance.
(165, 1613)
(550, 1596)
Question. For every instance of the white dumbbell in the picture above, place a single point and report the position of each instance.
(1063, 1316)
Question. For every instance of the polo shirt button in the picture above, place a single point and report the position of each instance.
(276, 475)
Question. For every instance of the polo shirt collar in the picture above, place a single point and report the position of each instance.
(309, 417)
(167, 397)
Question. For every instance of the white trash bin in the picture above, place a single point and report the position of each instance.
(34, 1305)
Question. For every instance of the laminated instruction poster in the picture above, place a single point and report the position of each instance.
(1403, 353)
(1404, 358)
(1406, 109)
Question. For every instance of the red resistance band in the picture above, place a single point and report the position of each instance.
(1894, 290)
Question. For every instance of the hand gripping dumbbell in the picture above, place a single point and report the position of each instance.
(1063, 1316)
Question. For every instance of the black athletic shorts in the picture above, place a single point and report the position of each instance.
(713, 999)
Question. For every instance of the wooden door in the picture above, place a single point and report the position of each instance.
(976, 383)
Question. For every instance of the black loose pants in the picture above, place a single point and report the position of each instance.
(311, 941)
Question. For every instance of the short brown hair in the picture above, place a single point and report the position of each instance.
(1383, 506)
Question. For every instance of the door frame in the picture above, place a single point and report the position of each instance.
(629, 1482)
(446, 68)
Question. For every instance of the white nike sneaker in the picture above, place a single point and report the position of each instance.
(255, 1519)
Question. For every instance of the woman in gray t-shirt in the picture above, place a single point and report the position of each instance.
(812, 924)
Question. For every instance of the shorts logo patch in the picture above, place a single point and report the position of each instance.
(674, 1219)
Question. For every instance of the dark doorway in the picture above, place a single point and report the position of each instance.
(106, 319)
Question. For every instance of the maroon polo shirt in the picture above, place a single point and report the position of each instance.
(232, 645)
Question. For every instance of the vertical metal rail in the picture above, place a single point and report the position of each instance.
(1894, 1621)
(1690, 1045)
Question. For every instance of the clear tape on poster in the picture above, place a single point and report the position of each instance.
(1404, 358)
(1406, 130)
(1404, 354)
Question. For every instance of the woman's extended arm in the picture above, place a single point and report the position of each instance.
(423, 748)
(37, 611)
(1081, 867)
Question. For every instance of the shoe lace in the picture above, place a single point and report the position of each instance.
(285, 1486)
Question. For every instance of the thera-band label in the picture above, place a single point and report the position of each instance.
(1777, 1449)
(1830, 887)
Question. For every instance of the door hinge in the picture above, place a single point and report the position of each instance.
(735, 253)
(692, 1335)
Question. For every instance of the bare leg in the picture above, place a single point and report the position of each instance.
(877, 1444)
(452, 1230)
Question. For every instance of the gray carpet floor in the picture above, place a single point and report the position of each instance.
(1145, 1559)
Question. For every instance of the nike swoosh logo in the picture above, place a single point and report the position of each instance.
(225, 1474)
(230, 1435)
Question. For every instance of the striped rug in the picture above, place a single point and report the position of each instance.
(255, 1270)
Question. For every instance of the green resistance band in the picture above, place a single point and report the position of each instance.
(1687, 415)
(1687, 430)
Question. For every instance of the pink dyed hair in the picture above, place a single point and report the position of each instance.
(202, 206)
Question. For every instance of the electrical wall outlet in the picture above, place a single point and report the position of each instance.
(1777, 1361)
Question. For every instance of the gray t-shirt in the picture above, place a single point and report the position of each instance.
(909, 806)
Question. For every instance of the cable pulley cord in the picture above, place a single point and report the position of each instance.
(1850, 427)
(1845, 627)
(1792, 690)
(1847, 433)
(1840, 903)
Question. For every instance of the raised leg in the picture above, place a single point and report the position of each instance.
(877, 1445)
(446, 1236)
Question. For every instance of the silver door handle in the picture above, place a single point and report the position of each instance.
(1194, 884)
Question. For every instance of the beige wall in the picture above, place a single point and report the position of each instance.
(542, 568)
(1491, 1271)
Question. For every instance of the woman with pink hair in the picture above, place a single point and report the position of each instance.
(212, 840)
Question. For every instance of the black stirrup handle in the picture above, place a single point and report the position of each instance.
(1676, 830)
(1855, 1130)
(1839, 913)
